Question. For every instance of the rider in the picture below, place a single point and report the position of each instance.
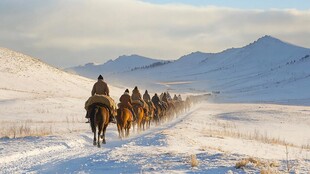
(168, 96)
(147, 99)
(179, 97)
(136, 96)
(101, 88)
(156, 100)
(126, 102)
(175, 97)
(165, 98)
(146, 96)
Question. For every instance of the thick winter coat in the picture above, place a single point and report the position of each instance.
(101, 88)
(126, 101)
(165, 99)
(136, 95)
(155, 99)
(146, 97)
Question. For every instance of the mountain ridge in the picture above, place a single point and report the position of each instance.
(263, 69)
(198, 56)
(266, 66)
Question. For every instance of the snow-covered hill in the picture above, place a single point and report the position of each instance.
(22, 75)
(33, 91)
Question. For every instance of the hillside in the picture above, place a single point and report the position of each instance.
(18, 71)
(29, 88)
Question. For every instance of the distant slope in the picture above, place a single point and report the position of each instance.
(119, 65)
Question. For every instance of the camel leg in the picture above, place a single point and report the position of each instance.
(124, 128)
(133, 127)
(128, 128)
(103, 133)
(126, 131)
(144, 122)
(119, 130)
(123, 132)
(99, 132)
(95, 141)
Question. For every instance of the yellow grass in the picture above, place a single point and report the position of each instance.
(14, 129)
(194, 162)
(266, 167)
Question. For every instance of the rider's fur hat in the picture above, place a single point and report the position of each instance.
(100, 77)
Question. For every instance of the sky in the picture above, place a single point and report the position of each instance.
(67, 33)
(242, 4)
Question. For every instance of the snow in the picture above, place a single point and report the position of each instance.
(259, 112)
(162, 149)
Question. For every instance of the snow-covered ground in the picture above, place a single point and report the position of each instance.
(168, 148)
(48, 104)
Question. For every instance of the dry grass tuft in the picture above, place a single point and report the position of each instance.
(194, 162)
(269, 171)
(307, 146)
(265, 171)
(242, 163)
(264, 166)
(24, 130)
(274, 164)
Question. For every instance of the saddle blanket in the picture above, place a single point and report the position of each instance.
(140, 102)
(104, 99)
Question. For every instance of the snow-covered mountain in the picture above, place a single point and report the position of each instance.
(120, 65)
(267, 69)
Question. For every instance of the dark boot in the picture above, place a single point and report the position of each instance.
(87, 116)
(133, 115)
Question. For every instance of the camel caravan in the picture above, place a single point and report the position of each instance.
(132, 112)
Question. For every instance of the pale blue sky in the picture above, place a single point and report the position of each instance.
(242, 4)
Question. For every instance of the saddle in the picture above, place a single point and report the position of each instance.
(102, 100)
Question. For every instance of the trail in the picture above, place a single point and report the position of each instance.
(71, 152)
